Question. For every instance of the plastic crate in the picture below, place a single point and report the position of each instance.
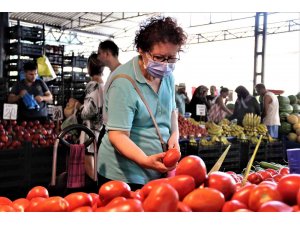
(24, 49)
(41, 165)
(210, 154)
(276, 152)
(33, 34)
(75, 61)
(79, 77)
(15, 64)
(232, 161)
(261, 152)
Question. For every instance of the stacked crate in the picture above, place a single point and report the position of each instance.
(26, 44)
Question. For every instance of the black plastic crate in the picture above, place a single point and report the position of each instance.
(261, 152)
(24, 49)
(33, 34)
(79, 77)
(54, 89)
(15, 64)
(55, 59)
(41, 165)
(276, 152)
(75, 61)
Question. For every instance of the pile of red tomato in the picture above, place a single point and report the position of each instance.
(190, 190)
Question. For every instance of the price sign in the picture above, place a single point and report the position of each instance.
(57, 112)
(10, 111)
(200, 110)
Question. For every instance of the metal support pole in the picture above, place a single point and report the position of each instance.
(259, 48)
(3, 40)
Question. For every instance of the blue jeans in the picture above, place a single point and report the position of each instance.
(273, 131)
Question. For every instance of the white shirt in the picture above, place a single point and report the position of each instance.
(272, 115)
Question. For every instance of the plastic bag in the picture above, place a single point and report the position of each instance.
(45, 68)
(30, 102)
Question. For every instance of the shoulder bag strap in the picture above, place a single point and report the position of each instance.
(144, 101)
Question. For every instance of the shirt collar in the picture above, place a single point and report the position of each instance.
(137, 70)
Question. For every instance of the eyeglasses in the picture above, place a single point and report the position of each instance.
(160, 58)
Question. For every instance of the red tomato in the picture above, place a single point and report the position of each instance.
(222, 182)
(33, 205)
(275, 206)
(265, 174)
(150, 185)
(172, 157)
(261, 194)
(6, 208)
(271, 171)
(194, 166)
(116, 201)
(137, 195)
(162, 198)
(83, 209)
(21, 204)
(129, 205)
(38, 191)
(296, 208)
(242, 195)
(78, 199)
(288, 186)
(284, 171)
(233, 205)
(96, 202)
(53, 204)
(183, 184)
(205, 200)
(270, 183)
(112, 189)
(243, 210)
(298, 198)
(277, 177)
(255, 178)
(182, 207)
(5, 201)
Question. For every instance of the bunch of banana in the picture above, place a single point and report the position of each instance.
(224, 122)
(253, 139)
(226, 130)
(213, 129)
(214, 139)
(251, 121)
(205, 142)
(194, 122)
(236, 130)
(243, 137)
(224, 141)
(262, 129)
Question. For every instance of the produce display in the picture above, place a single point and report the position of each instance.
(269, 189)
(12, 134)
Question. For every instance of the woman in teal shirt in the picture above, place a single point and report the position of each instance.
(130, 150)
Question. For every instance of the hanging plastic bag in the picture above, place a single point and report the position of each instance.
(45, 68)
(30, 102)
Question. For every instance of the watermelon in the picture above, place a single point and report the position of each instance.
(283, 100)
(285, 128)
(296, 108)
(293, 99)
(298, 95)
(286, 108)
(283, 116)
(230, 106)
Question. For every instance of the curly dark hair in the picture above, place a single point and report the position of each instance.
(159, 29)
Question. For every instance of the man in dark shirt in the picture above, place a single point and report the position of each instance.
(32, 86)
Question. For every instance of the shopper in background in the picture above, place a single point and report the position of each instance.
(245, 103)
(270, 111)
(218, 110)
(199, 98)
(131, 150)
(108, 53)
(34, 87)
(181, 98)
(213, 94)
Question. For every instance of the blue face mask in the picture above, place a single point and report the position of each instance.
(159, 69)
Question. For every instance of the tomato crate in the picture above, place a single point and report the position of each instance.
(41, 164)
(210, 154)
(276, 152)
(25, 49)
